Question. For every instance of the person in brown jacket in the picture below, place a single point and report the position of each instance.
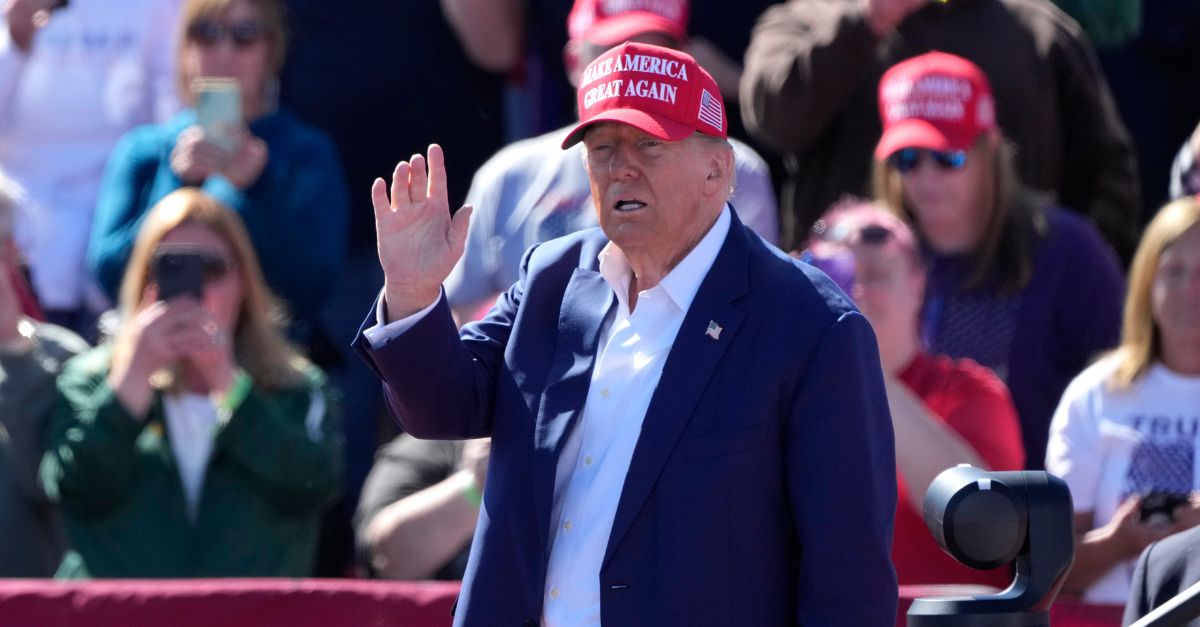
(809, 92)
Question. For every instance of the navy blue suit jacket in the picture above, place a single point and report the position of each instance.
(762, 487)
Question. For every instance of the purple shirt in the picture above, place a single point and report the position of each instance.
(1038, 338)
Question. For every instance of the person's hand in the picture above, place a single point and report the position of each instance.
(1187, 515)
(161, 333)
(246, 163)
(885, 15)
(24, 18)
(418, 241)
(194, 159)
(1129, 535)
(215, 359)
(475, 455)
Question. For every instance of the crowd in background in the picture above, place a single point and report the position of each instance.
(1034, 306)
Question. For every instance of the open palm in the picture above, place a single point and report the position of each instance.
(418, 241)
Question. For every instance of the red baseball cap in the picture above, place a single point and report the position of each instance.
(936, 101)
(608, 22)
(657, 90)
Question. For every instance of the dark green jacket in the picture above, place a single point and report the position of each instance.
(271, 475)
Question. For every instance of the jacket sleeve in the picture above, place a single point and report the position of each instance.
(91, 460)
(1099, 165)
(290, 445)
(840, 455)
(806, 60)
(121, 204)
(436, 384)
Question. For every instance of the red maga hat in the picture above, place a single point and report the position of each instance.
(657, 90)
(936, 101)
(607, 22)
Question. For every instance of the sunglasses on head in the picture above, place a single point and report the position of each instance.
(906, 160)
(873, 234)
(242, 34)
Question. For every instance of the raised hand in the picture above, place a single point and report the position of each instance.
(418, 241)
(247, 161)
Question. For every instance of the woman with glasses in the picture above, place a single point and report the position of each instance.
(198, 443)
(1015, 283)
(280, 175)
(944, 411)
(1126, 434)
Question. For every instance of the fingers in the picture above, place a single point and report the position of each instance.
(379, 199)
(420, 179)
(437, 174)
(400, 184)
(458, 229)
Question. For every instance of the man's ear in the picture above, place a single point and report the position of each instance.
(720, 168)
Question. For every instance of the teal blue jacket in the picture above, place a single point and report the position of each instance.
(296, 212)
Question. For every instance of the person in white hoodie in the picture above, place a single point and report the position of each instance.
(74, 77)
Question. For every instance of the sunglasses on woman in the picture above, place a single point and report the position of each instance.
(242, 34)
(871, 234)
(906, 160)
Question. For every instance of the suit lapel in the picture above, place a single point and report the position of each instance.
(693, 359)
(586, 302)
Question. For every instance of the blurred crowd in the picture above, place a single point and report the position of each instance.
(1007, 189)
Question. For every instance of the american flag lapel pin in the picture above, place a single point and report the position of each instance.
(714, 330)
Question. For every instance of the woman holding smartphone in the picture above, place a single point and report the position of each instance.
(198, 443)
(280, 175)
(1126, 435)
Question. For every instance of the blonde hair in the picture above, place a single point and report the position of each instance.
(194, 11)
(1140, 338)
(1012, 219)
(259, 344)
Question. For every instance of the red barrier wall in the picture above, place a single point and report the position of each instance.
(297, 603)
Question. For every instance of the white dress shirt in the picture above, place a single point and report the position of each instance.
(591, 469)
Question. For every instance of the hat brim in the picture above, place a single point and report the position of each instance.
(913, 133)
(649, 123)
(614, 30)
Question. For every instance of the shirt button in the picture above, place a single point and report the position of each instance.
(605, 393)
(587, 461)
(554, 593)
(567, 525)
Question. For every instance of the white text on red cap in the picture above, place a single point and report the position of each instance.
(644, 63)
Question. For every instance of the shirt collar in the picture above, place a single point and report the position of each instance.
(683, 281)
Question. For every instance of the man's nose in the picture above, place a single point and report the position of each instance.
(623, 163)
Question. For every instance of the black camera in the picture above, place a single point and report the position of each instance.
(988, 519)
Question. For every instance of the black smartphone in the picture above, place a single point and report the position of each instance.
(179, 271)
(58, 4)
(1161, 505)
